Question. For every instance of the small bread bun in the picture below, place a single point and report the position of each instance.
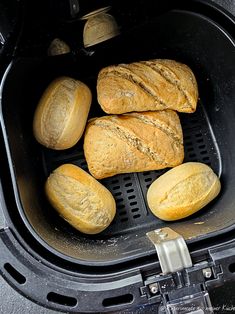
(61, 114)
(80, 199)
(182, 191)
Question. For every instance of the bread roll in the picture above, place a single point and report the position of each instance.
(182, 191)
(133, 142)
(147, 85)
(61, 114)
(81, 200)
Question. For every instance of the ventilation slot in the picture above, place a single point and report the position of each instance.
(118, 193)
(120, 300)
(146, 173)
(190, 149)
(202, 146)
(130, 190)
(61, 299)
(15, 274)
(133, 203)
(114, 181)
(200, 140)
(117, 187)
(127, 178)
(232, 268)
(121, 206)
(119, 200)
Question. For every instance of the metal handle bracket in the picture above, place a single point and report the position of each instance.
(171, 248)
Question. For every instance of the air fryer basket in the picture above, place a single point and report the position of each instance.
(185, 36)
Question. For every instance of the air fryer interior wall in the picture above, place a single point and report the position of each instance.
(208, 137)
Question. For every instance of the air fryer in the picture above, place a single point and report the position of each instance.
(45, 258)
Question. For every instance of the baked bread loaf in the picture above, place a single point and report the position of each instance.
(147, 85)
(61, 114)
(81, 200)
(133, 142)
(182, 191)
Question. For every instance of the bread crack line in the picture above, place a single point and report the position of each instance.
(84, 209)
(133, 78)
(170, 194)
(167, 75)
(165, 129)
(132, 141)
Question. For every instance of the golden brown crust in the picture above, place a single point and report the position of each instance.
(147, 85)
(133, 142)
(81, 200)
(182, 191)
(61, 114)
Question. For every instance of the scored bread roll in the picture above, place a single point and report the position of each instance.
(147, 85)
(61, 114)
(133, 142)
(182, 191)
(80, 199)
